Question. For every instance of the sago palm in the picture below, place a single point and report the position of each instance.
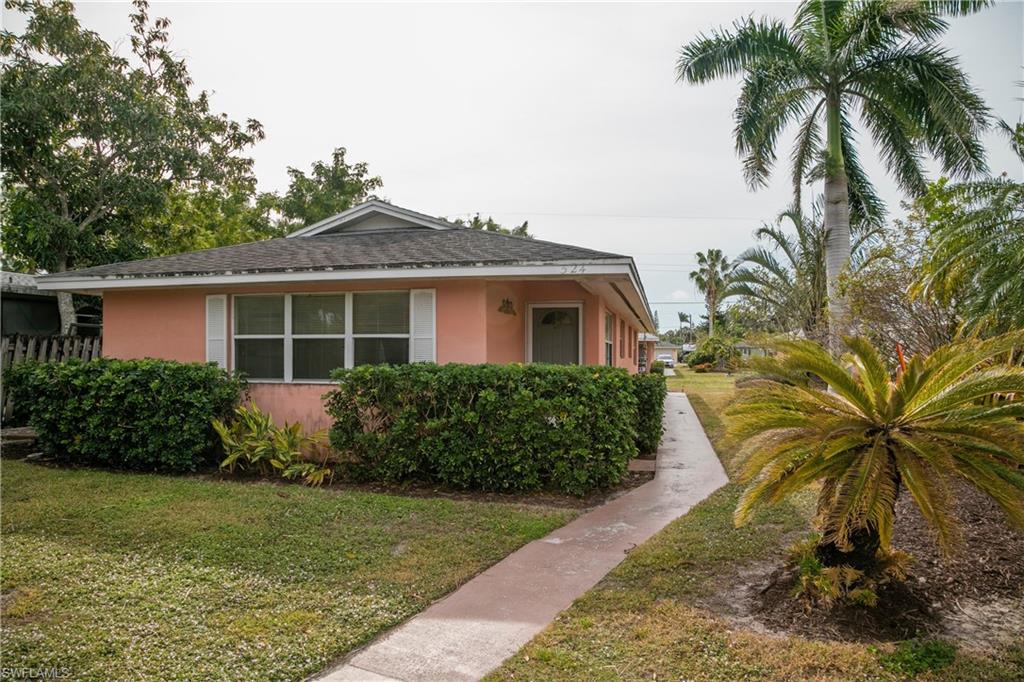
(712, 278)
(867, 435)
(839, 59)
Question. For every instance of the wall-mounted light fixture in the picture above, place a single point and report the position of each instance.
(507, 307)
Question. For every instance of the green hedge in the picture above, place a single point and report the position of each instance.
(486, 427)
(151, 415)
(650, 391)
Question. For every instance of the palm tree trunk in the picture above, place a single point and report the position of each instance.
(837, 228)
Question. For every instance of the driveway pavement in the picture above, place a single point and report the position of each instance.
(471, 631)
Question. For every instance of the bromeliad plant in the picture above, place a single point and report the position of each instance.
(954, 414)
(253, 441)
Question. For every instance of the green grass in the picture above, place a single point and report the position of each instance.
(654, 616)
(117, 575)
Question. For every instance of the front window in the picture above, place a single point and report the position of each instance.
(304, 337)
(380, 324)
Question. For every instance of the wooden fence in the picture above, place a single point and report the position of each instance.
(16, 349)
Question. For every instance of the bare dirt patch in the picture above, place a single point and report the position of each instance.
(975, 596)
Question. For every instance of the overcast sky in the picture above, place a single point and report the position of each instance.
(566, 115)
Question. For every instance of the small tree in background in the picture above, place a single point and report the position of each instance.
(712, 278)
(489, 224)
(330, 188)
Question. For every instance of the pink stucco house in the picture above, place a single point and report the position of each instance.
(376, 283)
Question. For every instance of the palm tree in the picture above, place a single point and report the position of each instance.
(839, 57)
(786, 273)
(712, 279)
(867, 435)
(687, 319)
(976, 250)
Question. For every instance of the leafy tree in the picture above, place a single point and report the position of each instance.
(976, 248)
(93, 142)
(491, 225)
(329, 189)
(786, 274)
(868, 435)
(837, 57)
(212, 217)
(657, 324)
(712, 278)
(881, 306)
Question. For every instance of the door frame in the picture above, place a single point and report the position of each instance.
(554, 304)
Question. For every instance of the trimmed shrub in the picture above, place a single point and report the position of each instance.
(719, 352)
(657, 367)
(486, 427)
(150, 415)
(650, 391)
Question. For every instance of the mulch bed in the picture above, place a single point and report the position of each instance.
(976, 595)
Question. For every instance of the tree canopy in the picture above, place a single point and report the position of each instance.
(94, 142)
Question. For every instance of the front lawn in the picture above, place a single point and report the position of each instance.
(116, 575)
(668, 612)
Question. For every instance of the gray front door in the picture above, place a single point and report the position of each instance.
(556, 335)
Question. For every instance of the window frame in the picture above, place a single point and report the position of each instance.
(580, 358)
(622, 339)
(348, 338)
(609, 339)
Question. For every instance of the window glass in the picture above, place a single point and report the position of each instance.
(318, 314)
(260, 358)
(381, 351)
(259, 314)
(380, 313)
(316, 358)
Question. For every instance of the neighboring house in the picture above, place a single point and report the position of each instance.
(373, 284)
(646, 349)
(31, 312)
(750, 351)
(663, 347)
(26, 309)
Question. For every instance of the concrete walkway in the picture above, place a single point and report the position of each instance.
(471, 631)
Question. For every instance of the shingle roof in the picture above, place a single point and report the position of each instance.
(401, 248)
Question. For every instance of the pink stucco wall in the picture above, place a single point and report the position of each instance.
(170, 324)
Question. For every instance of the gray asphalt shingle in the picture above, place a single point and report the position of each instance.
(405, 248)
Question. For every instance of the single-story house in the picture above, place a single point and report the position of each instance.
(646, 341)
(748, 350)
(373, 284)
(666, 347)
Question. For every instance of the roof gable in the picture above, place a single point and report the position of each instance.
(373, 216)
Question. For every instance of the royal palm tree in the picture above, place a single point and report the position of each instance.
(976, 250)
(687, 319)
(866, 435)
(786, 271)
(837, 59)
(712, 280)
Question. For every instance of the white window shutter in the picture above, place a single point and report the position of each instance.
(423, 346)
(217, 329)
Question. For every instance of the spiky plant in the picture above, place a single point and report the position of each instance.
(865, 435)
